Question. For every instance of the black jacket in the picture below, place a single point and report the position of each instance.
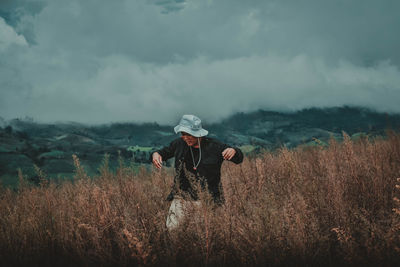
(208, 171)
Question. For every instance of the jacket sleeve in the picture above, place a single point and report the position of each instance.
(238, 158)
(166, 152)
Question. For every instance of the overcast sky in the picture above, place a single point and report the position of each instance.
(98, 61)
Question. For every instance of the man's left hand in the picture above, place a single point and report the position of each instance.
(228, 153)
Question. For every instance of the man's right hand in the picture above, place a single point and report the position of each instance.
(157, 160)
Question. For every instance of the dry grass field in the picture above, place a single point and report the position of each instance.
(310, 206)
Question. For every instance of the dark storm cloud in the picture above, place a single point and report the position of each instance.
(153, 60)
(13, 10)
(169, 5)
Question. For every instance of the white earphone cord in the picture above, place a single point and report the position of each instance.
(191, 152)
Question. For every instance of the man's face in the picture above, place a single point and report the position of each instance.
(189, 139)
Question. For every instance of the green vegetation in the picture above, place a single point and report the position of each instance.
(24, 143)
(246, 149)
(53, 154)
(4, 150)
(140, 148)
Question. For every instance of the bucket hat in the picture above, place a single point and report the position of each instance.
(192, 125)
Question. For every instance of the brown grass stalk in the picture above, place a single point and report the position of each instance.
(334, 205)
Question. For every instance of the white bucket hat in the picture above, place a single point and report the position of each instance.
(192, 125)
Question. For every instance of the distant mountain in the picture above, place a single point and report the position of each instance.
(274, 129)
(50, 146)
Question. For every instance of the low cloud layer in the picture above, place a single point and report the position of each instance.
(146, 61)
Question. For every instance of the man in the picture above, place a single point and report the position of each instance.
(198, 157)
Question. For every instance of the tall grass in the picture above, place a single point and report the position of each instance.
(335, 205)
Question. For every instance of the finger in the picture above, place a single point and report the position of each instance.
(225, 154)
(156, 163)
(232, 154)
(159, 164)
